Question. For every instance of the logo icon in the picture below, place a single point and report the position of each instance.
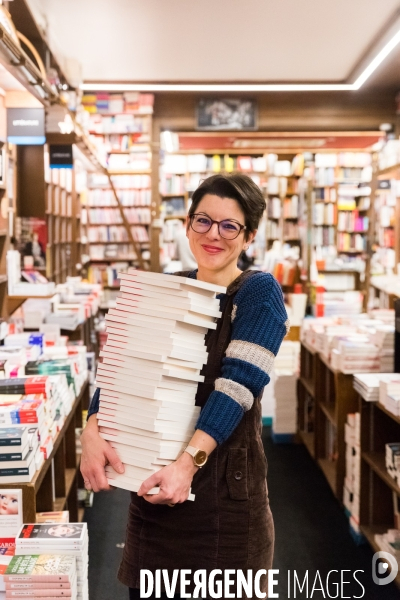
(381, 574)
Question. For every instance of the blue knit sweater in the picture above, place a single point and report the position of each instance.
(259, 324)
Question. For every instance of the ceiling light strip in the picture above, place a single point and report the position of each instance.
(217, 87)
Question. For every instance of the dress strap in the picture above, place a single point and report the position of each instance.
(239, 281)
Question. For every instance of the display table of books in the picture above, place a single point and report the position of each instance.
(51, 560)
(53, 486)
(150, 370)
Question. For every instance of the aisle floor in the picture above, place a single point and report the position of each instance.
(312, 534)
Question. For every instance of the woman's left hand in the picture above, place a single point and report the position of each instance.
(174, 482)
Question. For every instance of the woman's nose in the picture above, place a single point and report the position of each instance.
(213, 232)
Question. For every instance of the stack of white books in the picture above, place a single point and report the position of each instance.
(70, 539)
(389, 393)
(367, 384)
(151, 367)
(285, 414)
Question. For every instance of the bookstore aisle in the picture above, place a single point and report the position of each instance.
(312, 532)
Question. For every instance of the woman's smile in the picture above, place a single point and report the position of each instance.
(211, 249)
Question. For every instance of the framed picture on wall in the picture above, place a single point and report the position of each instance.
(221, 114)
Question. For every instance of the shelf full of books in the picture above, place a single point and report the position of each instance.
(347, 400)
(120, 125)
(181, 173)
(340, 205)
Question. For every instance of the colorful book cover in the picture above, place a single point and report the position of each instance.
(41, 567)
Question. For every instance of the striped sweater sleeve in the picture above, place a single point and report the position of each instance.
(259, 324)
(94, 405)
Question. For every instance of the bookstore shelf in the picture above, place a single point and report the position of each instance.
(369, 533)
(389, 414)
(329, 411)
(376, 461)
(309, 384)
(38, 494)
(325, 397)
(329, 469)
(308, 439)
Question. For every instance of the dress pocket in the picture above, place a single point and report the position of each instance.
(236, 474)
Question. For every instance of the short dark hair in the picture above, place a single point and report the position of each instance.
(239, 187)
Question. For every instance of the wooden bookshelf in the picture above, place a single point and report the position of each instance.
(55, 485)
(377, 488)
(306, 397)
(325, 397)
(50, 195)
(126, 137)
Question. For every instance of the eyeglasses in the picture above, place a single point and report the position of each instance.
(227, 229)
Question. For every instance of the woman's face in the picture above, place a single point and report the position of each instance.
(8, 504)
(213, 252)
(60, 530)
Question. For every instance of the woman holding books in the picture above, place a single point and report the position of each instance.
(229, 526)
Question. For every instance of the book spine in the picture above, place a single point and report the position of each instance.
(36, 578)
(13, 472)
(47, 593)
(17, 441)
(11, 456)
(53, 585)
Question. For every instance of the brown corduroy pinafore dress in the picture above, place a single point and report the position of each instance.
(229, 525)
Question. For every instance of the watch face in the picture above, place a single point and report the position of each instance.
(200, 458)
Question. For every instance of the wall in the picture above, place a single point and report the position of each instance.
(362, 110)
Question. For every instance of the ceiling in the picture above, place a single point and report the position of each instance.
(220, 40)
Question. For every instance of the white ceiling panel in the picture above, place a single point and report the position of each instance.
(215, 40)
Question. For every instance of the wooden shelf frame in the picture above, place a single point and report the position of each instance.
(332, 395)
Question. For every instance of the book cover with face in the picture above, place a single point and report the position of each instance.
(10, 512)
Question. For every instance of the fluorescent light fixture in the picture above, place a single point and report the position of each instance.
(375, 62)
(252, 87)
(215, 87)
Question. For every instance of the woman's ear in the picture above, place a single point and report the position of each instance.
(251, 237)
(187, 225)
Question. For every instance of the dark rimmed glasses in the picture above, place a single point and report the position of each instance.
(229, 229)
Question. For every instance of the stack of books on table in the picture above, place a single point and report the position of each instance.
(286, 367)
(41, 576)
(389, 393)
(151, 368)
(19, 460)
(367, 384)
(69, 539)
(357, 354)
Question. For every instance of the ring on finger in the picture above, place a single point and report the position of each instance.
(170, 505)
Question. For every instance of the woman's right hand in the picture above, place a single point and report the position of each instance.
(96, 454)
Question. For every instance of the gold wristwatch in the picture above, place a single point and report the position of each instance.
(200, 457)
